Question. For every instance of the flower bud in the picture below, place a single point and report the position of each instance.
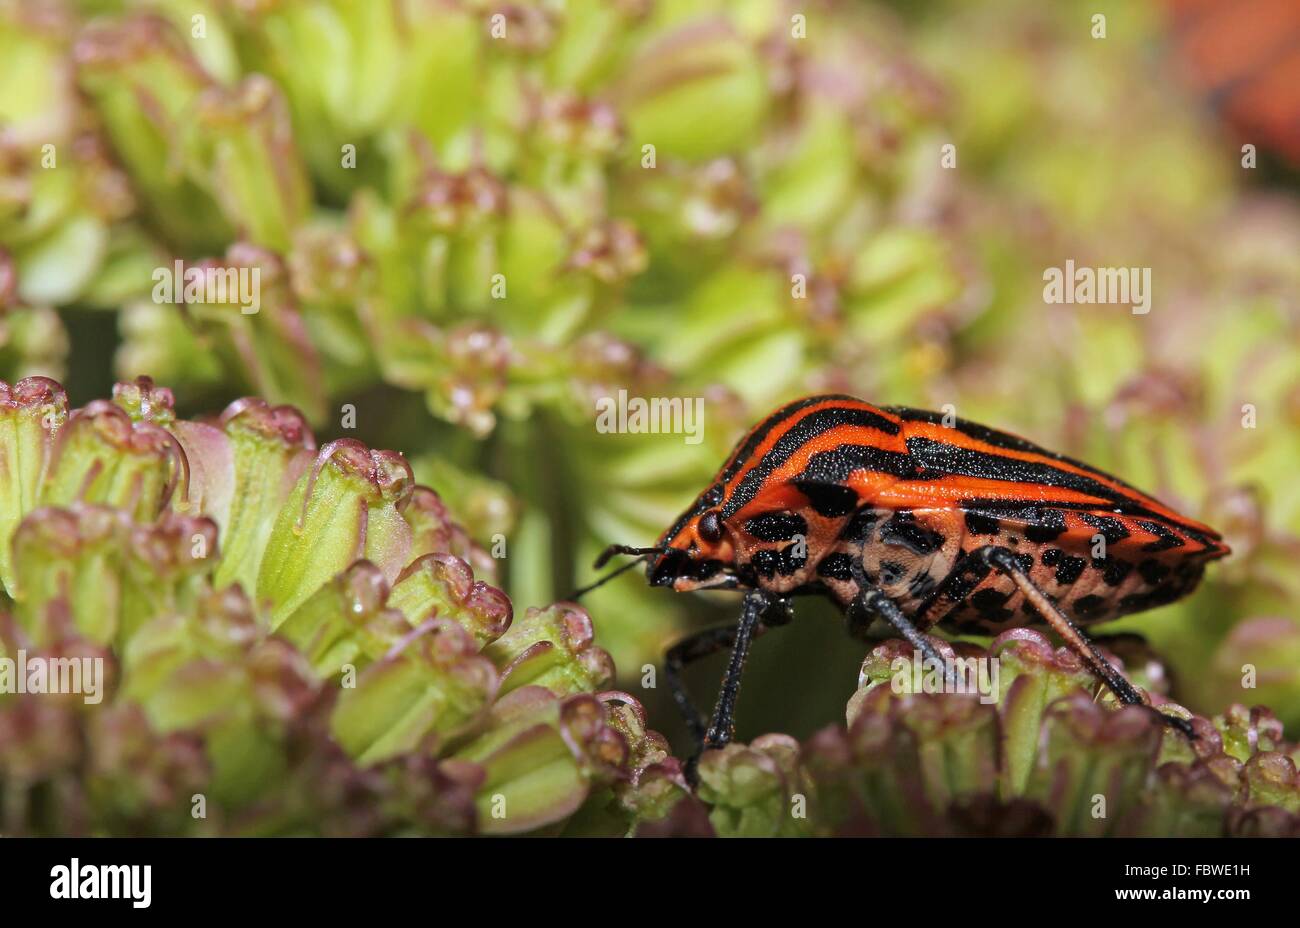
(186, 669)
(346, 622)
(103, 457)
(69, 560)
(242, 141)
(1272, 781)
(141, 781)
(433, 531)
(541, 755)
(553, 648)
(752, 789)
(431, 686)
(270, 451)
(443, 585)
(343, 509)
(656, 782)
(144, 401)
(32, 412)
(165, 568)
(144, 82)
(680, 79)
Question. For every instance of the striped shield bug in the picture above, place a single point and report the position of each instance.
(908, 523)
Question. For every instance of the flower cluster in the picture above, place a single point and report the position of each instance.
(294, 641)
(484, 218)
(511, 210)
(1043, 758)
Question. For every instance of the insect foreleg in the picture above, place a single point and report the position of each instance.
(1004, 560)
(686, 652)
(758, 607)
(723, 726)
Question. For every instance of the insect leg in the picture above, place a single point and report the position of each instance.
(1004, 560)
(759, 613)
(723, 726)
(872, 600)
(688, 651)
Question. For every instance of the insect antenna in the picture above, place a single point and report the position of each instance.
(624, 549)
(641, 554)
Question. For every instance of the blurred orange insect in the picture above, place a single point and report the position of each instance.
(1244, 56)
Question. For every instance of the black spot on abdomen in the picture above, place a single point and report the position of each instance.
(903, 530)
(990, 604)
(1153, 572)
(1115, 571)
(860, 526)
(1090, 605)
(1068, 567)
(837, 566)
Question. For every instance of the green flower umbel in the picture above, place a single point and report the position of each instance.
(1031, 753)
(288, 644)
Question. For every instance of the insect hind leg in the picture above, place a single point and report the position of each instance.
(871, 600)
(1004, 560)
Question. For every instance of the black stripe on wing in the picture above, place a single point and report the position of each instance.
(799, 434)
(1004, 440)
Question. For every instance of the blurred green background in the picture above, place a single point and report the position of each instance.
(650, 180)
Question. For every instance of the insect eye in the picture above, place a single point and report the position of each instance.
(710, 527)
